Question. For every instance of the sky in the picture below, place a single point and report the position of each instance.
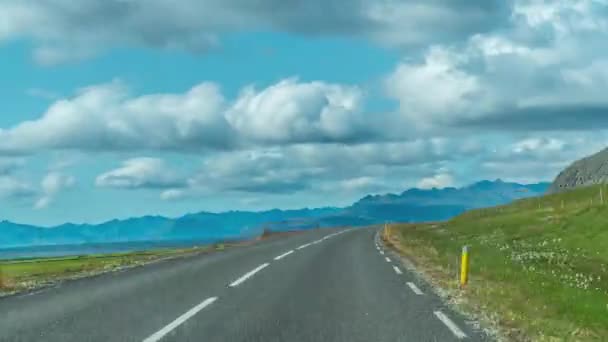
(121, 108)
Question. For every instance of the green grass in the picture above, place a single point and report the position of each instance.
(18, 275)
(539, 266)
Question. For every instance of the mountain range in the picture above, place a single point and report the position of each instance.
(413, 205)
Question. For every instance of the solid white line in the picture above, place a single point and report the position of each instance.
(387, 259)
(451, 325)
(180, 320)
(397, 270)
(248, 275)
(415, 288)
(303, 246)
(283, 255)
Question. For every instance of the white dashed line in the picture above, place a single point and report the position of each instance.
(382, 252)
(415, 288)
(303, 246)
(387, 259)
(248, 275)
(283, 255)
(451, 325)
(397, 270)
(180, 320)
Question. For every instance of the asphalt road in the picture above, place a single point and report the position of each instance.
(339, 288)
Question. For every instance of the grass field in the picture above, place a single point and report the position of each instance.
(19, 275)
(26, 274)
(539, 266)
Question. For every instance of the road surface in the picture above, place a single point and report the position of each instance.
(322, 285)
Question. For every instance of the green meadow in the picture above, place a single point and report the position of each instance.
(538, 267)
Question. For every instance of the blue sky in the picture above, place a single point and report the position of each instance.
(116, 109)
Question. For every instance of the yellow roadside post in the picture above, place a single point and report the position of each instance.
(464, 266)
(385, 232)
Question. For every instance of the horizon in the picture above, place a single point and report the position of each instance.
(266, 209)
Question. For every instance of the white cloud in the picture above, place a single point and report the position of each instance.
(52, 184)
(433, 90)
(362, 184)
(64, 30)
(174, 194)
(331, 167)
(14, 188)
(441, 180)
(104, 117)
(299, 112)
(107, 117)
(140, 173)
(538, 145)
(544, 70)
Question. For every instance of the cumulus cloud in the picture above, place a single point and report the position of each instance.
(433, 90)
(104, 117)
(544, 71)
(141, 173)
(52, 184)
(299, 112)
(64, 30)
(107, 117)
(288, 169)
(308, 167)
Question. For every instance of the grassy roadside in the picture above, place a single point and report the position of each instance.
(27, 274)
(539, 266)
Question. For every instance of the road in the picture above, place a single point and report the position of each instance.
(322, 285)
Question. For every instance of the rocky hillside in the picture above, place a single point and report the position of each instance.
(587, 171)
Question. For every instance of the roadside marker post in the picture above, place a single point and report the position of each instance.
(464, 266)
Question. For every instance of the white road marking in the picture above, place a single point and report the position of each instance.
(415, 288)
(248, 275)
(451, 325)
(303, 246)
(283, 255)
(180, 320)
(397, 270)
(387, 259)
(382, 252)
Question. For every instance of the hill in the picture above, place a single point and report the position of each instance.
(587, 171)
(541, 264)
(413, 205)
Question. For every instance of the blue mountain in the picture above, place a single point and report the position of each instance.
(413, 205)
